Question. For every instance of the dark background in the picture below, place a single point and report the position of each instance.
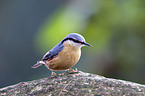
(115, 29)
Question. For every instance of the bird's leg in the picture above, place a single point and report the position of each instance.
(73, 71)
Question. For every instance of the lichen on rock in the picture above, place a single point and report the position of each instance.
(77, 84)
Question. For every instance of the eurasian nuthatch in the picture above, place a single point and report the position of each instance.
(64, 55)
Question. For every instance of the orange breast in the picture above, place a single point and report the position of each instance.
(67, 58)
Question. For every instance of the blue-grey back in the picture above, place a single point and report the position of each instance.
(53, 52)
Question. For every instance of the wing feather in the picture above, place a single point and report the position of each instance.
(53, 52)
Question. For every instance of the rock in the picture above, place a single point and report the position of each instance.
(78, 84)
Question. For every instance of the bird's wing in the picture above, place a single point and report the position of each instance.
(53, 52)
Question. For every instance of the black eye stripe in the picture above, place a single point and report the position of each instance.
(72, 40)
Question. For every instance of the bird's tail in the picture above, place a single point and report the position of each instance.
(39, 63)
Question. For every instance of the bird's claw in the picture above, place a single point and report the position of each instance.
(53, 74)
(73, 71)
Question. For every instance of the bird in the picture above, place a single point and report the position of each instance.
(64, 55)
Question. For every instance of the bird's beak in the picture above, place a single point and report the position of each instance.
(87, 44)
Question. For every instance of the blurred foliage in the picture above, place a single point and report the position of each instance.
(115, 28)
(68, 19)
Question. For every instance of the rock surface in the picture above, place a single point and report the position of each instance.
(78, 84)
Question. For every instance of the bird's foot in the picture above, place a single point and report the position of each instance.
(73, 71)
(53, 74)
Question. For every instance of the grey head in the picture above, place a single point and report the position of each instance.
(75, 39)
